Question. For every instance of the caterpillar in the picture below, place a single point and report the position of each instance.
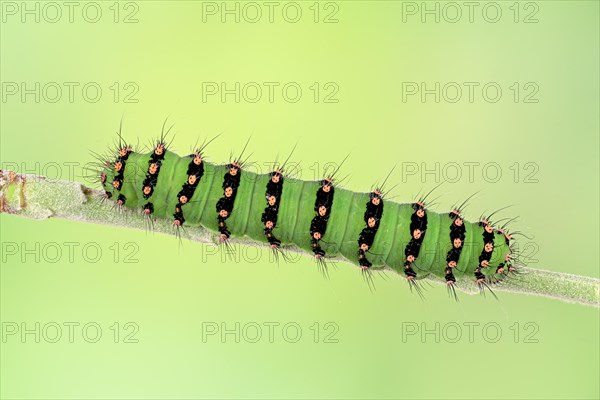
(320, 217)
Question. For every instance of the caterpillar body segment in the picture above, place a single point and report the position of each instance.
(318, 225)
(316, 216)
(274, 187)
(195, 172)
(372, 218)
(224, 206)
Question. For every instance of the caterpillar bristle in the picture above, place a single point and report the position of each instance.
(322, 266)
(451, 291)
(367, 276)
(482, 288)
(418, 289)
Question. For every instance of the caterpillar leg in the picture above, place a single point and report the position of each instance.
(178, 219)
(450, 283)
(316, 248)
(273, 241)
(449, 276)
(317, 229)
(409, 272)
(362, 258)
(479, 276)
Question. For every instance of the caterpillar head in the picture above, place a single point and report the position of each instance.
(271, 200)
(107, 175)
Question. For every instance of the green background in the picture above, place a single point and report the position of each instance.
(171, 290)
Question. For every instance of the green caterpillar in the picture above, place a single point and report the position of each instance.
(315, 216)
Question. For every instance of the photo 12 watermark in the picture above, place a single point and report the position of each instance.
(70, 12)
(69, 92)
(470, 171)
(269, 332)
(470, 92)
(69, 332)
(469, 332)
(454, 12)
(270, 12)
(289, 92)
(69, 252)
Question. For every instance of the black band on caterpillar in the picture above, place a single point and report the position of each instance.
(119, 166)
(318, 225)
(151, 179)
(507, 264)
(231, 182)
(372, 218)
(418, 226)
(486, 252)
(457, 240)
(195, 172)
(273, 196)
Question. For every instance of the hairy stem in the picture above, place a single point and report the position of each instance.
(36, 197)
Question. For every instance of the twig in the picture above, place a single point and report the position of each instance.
(36, 197)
